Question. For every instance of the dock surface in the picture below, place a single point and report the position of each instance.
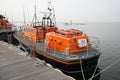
(15, 65)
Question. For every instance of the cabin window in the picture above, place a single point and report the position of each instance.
(26, 29)
(32, 30)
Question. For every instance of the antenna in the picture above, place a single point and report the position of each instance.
(1, 12)
(35, 15)
(35, 19)
(49, 6)
(5, 13)
(28, 15)
(12, 19)
(24, 15)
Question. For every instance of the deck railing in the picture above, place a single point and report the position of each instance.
(95, 42)
(40, 45)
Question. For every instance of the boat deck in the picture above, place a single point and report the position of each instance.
(15, 65)
(57, 54)
(6, 31)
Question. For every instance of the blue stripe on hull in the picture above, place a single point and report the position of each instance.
(87, 64)
(70, 68)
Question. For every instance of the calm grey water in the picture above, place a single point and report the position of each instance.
(109, 36)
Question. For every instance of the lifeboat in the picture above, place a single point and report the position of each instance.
(4, 24)
(5, 29)
(63, 49)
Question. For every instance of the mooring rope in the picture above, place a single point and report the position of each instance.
(95, 69)
(82, 70)
(105, 69)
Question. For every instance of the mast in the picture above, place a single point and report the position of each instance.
(35, 15)
(24, 15)
(35, 19)
(51, 13)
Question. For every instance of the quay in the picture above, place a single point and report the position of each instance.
(17, 65)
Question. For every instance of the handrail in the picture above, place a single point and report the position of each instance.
(95, 42)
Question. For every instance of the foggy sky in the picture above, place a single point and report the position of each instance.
(66, 10)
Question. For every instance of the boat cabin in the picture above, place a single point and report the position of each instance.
(69, 41)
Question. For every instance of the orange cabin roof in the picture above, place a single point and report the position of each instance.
(61, 42)
(70, 32)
